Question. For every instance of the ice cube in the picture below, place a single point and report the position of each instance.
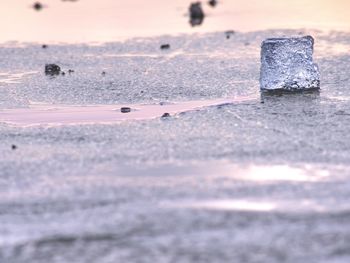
(286, 64)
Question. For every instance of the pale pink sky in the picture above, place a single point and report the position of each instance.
(107, 20)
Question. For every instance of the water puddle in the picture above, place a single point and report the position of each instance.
(46, 114)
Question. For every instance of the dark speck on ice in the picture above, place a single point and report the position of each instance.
(13, 147)
(52, 69)
(166, 115)
(44, 46)
(165, 46)
(229, 33)
(125, 109)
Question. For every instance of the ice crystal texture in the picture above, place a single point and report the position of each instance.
(286, 64)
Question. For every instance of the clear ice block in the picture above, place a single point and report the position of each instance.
(286, 64)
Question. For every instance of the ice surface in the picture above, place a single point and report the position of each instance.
(137, 71)
(188, 188)
(286, 63)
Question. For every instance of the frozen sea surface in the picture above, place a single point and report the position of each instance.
(264, 178)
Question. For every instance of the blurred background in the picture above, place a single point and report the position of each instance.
(111, 20)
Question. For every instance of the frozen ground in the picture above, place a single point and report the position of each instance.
(265, 178)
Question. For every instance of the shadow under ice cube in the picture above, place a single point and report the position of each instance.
(286, 64)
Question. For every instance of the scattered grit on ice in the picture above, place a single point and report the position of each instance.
(264, 180)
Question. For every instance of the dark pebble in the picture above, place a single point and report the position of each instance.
(196, 14)
(103, 73)
(44, 46)
(125, 109)
(196, 10)
(165, 46)
(38, 6)
(70, 71)
(13, 147)
(52, 69)
(213, 3)
(166, 115)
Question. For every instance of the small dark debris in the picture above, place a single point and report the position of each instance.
(223, 105)
(37, 6)
(196, 14)
(63, 73)
(125, 109)
(229, 33)
(165, 46)
(103, 73)
(13, 147)
(52, 69)
(213, 3)
(44, 46)
(166, 115)
(196, 10)
(70, 71)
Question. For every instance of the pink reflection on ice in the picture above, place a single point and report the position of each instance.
(46, 114)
